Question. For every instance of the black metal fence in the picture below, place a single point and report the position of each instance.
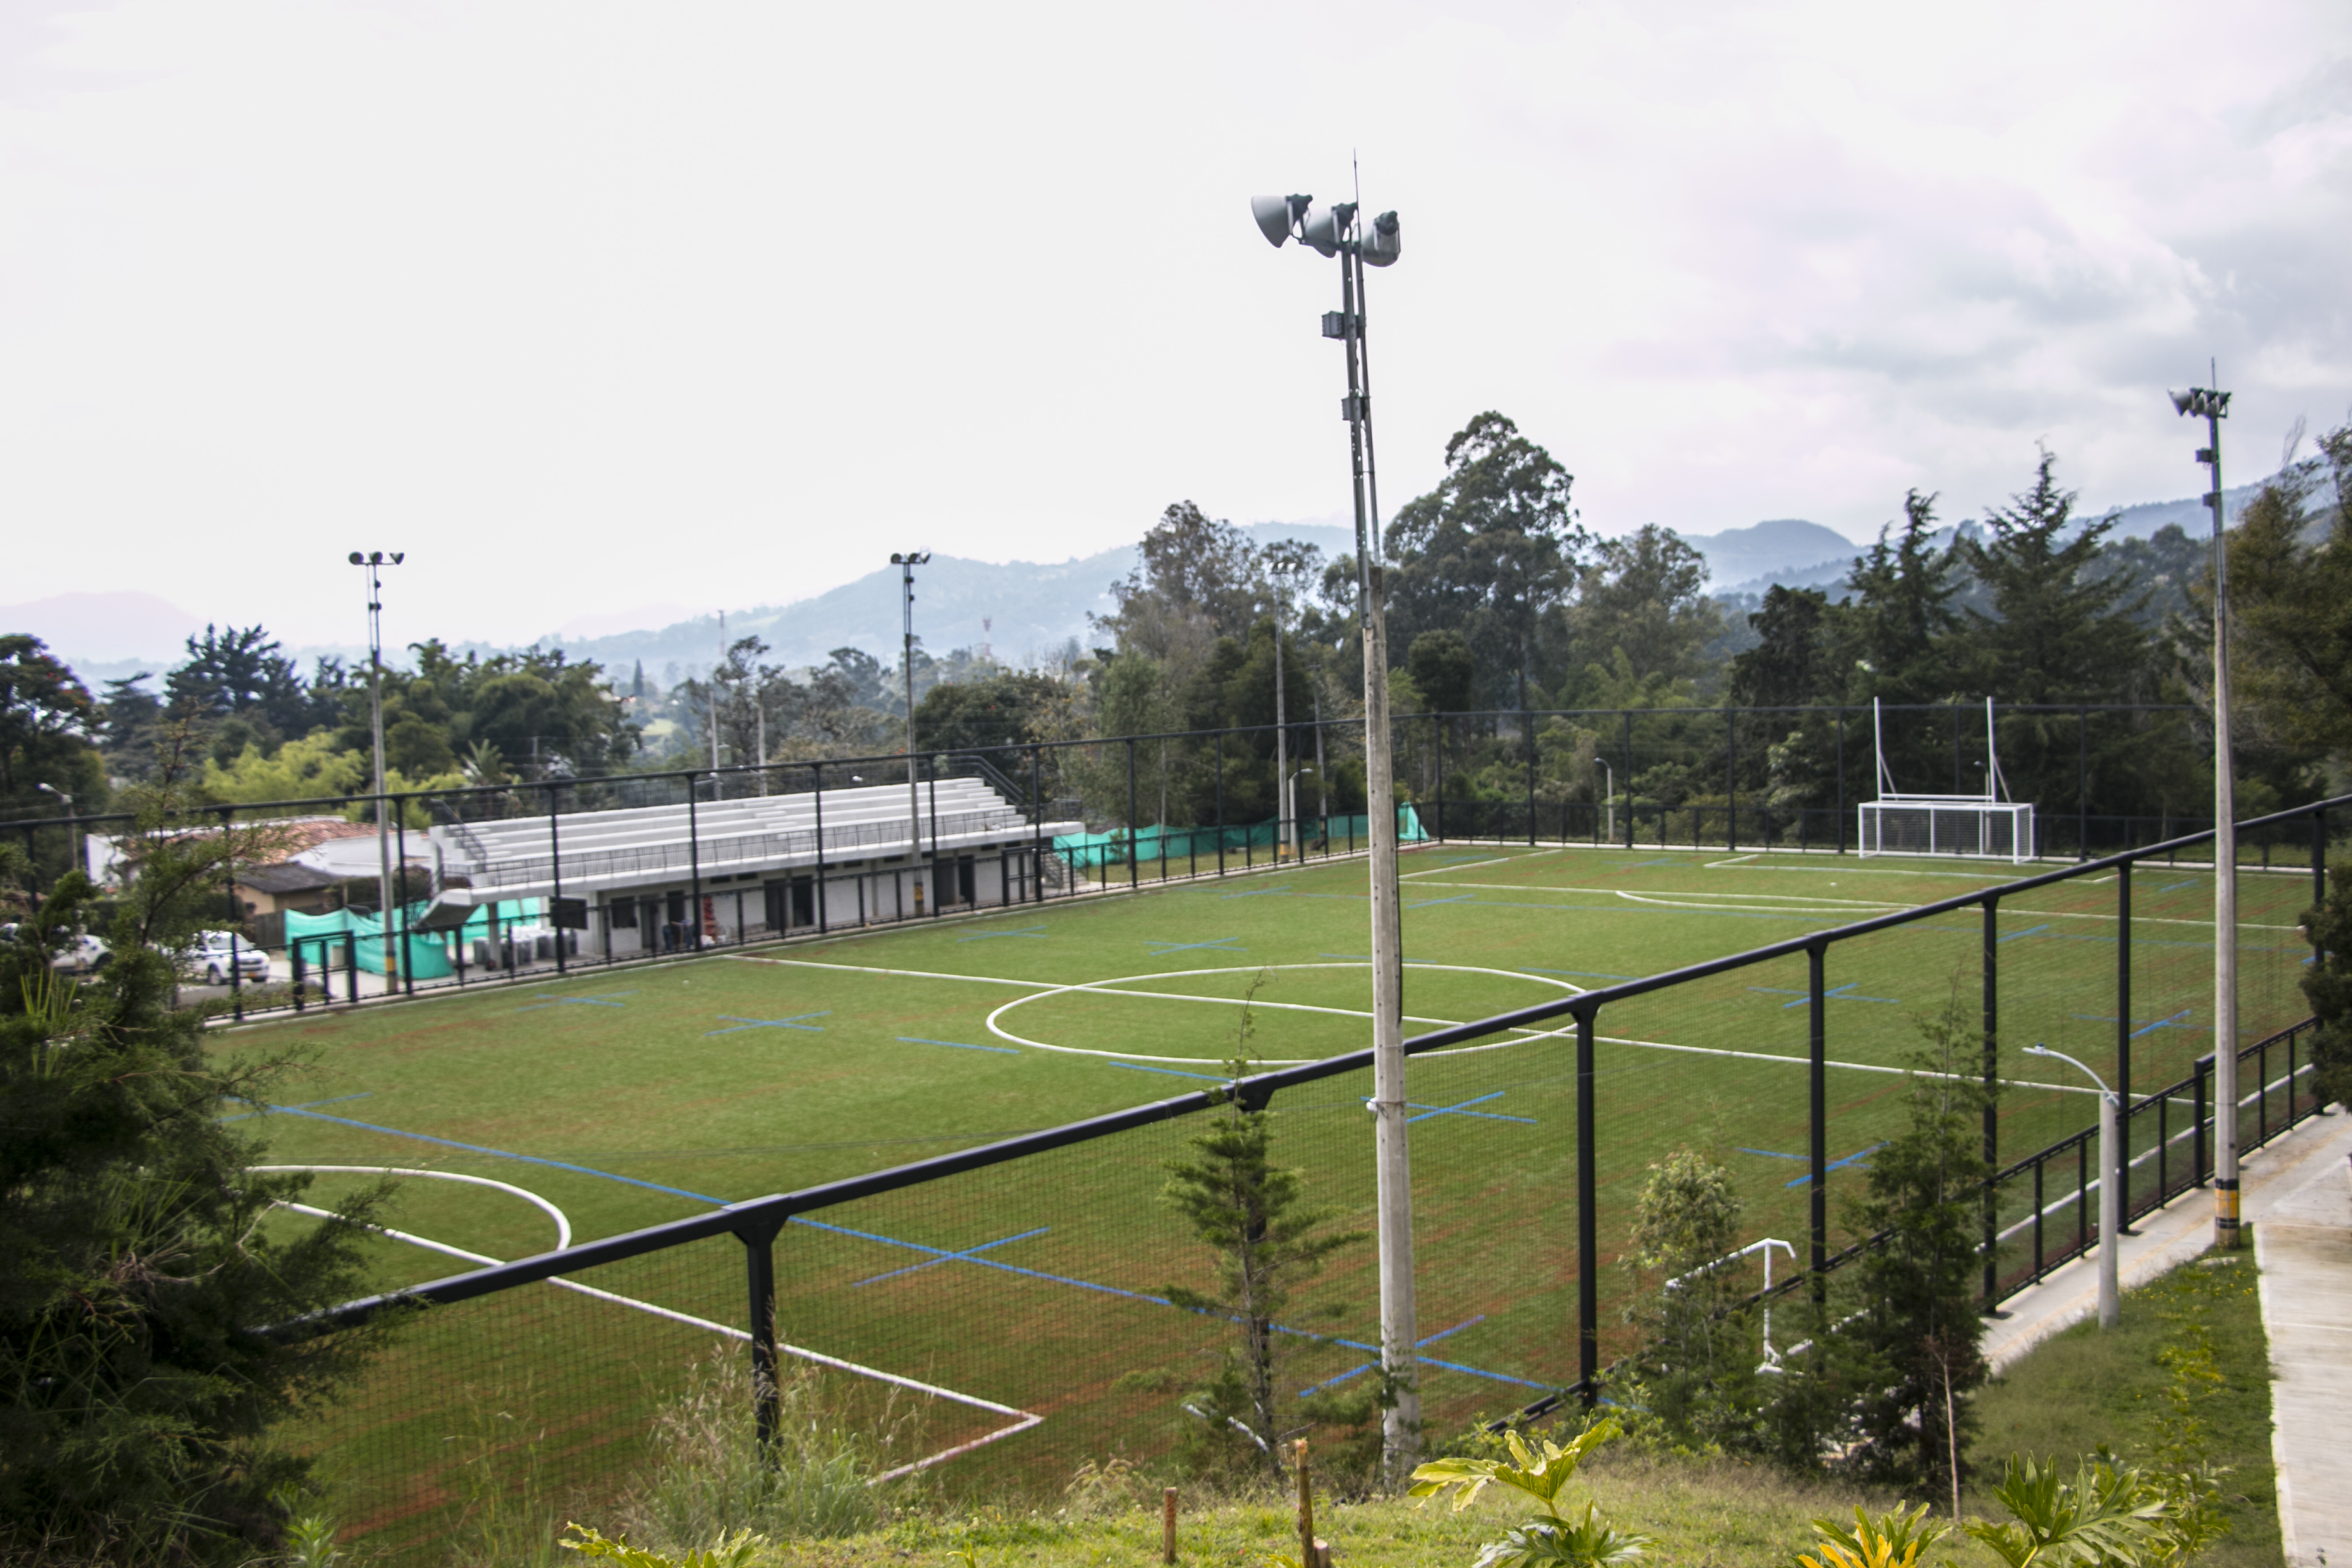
(501, 896)
(1013, 1290)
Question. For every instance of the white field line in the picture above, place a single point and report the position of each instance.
(564, 1231)
(1521, 1036)
(1667, 901)
(1735, 860)
(1473, 865)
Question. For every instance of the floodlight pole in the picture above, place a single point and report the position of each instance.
(1334, 231)
(2111, 1225)
(2214, 406)
(373, 563)
(906, 563)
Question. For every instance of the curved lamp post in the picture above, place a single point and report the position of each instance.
(2111, 1223)
(1336, 231)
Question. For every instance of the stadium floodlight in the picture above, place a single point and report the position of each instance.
(2213, 407)
(2110, 1186)
(1335, 231)
(906, 561)
(372, 564)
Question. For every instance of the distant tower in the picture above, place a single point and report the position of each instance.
(987, 652)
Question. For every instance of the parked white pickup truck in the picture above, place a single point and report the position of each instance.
(81, 953)
(208, 956)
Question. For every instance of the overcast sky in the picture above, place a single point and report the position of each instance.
(594, 307)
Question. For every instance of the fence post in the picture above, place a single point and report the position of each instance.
(1730, 782)
(407, 954)
(351, 968)
(1588, 1243)
(1439, 724)
(2082, 788)
(1627, 715)
(1528, 726)
(694, 847)
(1816, 962)
(555, 870)
(2197, 1110)
(816, 788)
(2318, 869)
(1993, 1084)
(1841, 782)
(295, 972)
(760, 1273)
(2123, 1026)
(1135, 828)
(1221, 803)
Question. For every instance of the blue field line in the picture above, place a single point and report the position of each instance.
(1224, 942)
(957, 1045)
(795, 1022)
(603, 1001)
(951, 1257)
(1464, 1109)
(1836, 992)
(306, 1105)
(1833, 1164)
(2172, 1023)
(1354, 1371)
(1774, 1154)
(496, 1153)
(1036, 931)
(2178, 886)
(1172, 1072)
(1140, 1296)
(1456, 899)
(2036, 930)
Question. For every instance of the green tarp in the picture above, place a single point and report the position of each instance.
(1254, 840)
(319, 939)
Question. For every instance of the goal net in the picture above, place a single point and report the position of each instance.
(1987, 825)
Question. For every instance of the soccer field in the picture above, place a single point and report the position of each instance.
(625, 1098)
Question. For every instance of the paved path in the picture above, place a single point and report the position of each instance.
(2304, 1243)
(2297, 1195)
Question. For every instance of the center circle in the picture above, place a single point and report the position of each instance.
(996, 1026)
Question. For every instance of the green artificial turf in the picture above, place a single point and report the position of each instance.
(631, 1096)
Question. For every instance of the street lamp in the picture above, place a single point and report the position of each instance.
(906, 561)
(372, 564)
(2201, 402)
(1335, 231)
(2111, 1223)
(73, 828)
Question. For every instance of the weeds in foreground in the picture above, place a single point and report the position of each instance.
(712, 1480)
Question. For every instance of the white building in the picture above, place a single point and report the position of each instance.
(641, 880)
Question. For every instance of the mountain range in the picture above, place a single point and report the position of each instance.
(1021, 610)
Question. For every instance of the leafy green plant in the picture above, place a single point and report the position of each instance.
(1893, 1539)
(2105, 1516)
(1541, 1473)
(736, 1550)
(713, 1479)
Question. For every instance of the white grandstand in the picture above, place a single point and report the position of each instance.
(642, 879)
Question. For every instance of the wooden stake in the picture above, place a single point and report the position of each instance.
(1307, 1558)
(1168, 1525)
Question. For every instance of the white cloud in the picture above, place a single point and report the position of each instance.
(717, 303)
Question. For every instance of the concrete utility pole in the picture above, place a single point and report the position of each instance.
(906, 563)
(373, 563)
(1334, 231)
(2214, 407)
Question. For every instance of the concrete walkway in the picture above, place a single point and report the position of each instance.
(2304, 1244)
(2297, 1196)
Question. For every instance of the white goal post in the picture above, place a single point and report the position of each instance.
(1986, 826)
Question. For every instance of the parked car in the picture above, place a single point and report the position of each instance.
(208, 956)
(77, 952)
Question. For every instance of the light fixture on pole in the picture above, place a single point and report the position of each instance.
(2204, 403)
(372, 564)
(906, 561)
(73, 828)
(1335, 231)
(2110, 1186)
